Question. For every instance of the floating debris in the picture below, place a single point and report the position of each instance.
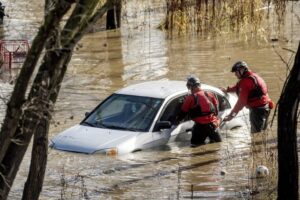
(261, 171)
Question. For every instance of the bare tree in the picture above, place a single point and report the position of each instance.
(27, 116)
(287, 134)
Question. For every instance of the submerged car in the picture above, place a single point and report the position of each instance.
(138, 117)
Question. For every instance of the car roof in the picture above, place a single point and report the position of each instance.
(159, 89)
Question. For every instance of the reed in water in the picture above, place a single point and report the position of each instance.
(217, 17)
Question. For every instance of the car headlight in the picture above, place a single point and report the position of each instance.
(109, 152)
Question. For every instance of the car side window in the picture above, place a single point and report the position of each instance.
(223, 102)
(172, 110)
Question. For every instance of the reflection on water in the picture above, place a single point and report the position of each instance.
(106, 61)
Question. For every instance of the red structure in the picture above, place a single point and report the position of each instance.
(13, 51)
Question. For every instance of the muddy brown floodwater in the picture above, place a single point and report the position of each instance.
(108, 60)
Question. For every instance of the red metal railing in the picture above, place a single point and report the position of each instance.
(13, 51)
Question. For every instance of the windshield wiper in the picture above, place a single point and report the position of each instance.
(88, 123)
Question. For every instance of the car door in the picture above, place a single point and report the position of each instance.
(169, 113)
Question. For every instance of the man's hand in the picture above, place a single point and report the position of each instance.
(223, 89)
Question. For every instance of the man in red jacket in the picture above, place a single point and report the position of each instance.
(253, 93)
(202, 107)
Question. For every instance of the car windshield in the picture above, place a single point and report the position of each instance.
(124, 112)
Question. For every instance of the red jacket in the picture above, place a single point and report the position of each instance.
(246, 91)
(203, 102)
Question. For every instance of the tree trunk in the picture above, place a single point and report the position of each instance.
(43, 94)
(13, 141)
(287, 135)
(34, 182)
(14, 106)
(52, 71)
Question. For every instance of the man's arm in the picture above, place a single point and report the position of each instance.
(244, 90)
(231, 88)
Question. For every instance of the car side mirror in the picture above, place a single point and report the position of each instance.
(163, 125)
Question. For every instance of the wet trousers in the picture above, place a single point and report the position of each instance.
(259, 118)
(201, 131)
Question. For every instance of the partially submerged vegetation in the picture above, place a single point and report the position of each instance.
(217, 17)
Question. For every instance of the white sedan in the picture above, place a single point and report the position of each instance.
(138, 117)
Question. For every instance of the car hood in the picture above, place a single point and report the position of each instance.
(86, 139)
